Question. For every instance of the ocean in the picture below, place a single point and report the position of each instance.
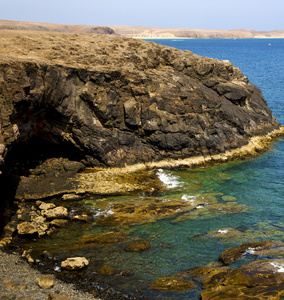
(256, 184)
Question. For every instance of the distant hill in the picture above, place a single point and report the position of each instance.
(19, 25)
(140, 31)
(152, 32)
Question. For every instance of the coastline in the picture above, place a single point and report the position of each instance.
(186, 38)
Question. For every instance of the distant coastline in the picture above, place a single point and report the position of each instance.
(140, 32)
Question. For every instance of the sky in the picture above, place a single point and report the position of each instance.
(197, 14)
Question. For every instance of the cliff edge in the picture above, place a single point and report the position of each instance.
(111, 100)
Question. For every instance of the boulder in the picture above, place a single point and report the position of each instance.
(26, 228)
(54, 296)
(59, 212)
(74, 263)
(46, 206)
(45, 281)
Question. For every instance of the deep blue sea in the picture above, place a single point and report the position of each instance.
(257, 183)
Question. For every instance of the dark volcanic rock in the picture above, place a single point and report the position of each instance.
(114, 100)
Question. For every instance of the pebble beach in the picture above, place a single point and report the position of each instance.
(18, 280)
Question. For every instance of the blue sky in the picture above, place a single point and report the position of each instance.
(198, 14)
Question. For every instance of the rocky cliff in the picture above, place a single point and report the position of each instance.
(111, 100)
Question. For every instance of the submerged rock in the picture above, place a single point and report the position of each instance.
(241, 234)
(173, 284)
(212, 210)
(137, 246)
(107, 270)
(232, 254)
(59, 222)
(98, 239)
(147, 210)
(255, 280)
(126, 272)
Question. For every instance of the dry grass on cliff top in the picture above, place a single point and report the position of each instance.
(76, 50)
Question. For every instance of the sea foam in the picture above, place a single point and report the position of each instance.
(168, 179)
(278, 266)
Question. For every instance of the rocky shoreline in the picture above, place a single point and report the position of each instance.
(35, 219)
(85, 117)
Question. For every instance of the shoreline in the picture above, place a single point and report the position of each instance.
(18, 280)
(255, 146)
(186, 38)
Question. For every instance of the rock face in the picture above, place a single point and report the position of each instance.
(113, 100)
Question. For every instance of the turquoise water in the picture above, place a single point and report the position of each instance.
(257, 183)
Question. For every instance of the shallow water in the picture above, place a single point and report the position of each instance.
(257, 183)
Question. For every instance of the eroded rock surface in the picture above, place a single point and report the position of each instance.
(52, 179)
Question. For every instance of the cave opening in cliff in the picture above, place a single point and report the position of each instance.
(22, 157)
(27, 155)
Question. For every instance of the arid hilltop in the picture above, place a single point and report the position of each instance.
(142, 32)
